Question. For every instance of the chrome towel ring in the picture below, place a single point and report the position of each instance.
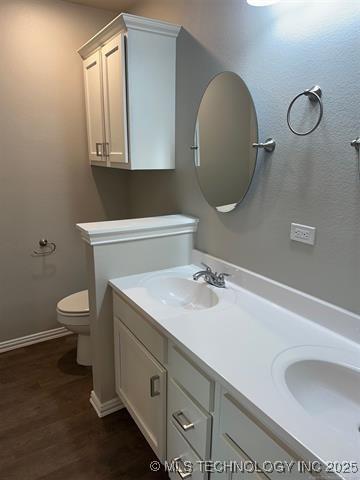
(314, 95)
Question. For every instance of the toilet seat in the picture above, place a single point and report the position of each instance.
(75, 305)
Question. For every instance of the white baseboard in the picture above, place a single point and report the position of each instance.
(103, 409)
(33, 338)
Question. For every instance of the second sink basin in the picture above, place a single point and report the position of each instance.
(181, 292)
(325, 382)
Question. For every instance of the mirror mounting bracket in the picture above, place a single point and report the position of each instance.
(269, 145)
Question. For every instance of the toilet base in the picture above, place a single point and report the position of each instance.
(83, 356)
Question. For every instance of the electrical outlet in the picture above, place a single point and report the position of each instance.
(302, 233)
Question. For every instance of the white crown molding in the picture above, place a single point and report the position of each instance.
(33, 338)
(100, 233)
(106, 408)
(123, 23)
(150, 25)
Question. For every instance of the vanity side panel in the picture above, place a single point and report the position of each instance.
(114, 260)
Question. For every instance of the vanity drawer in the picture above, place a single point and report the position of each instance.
(141, 328)
(233, 457)
(254, 442)
(192, 422)
(179, 449)
(191, 378)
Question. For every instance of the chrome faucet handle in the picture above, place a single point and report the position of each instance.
(223, 275)
(206, 267)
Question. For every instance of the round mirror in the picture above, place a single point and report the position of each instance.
(225, 130)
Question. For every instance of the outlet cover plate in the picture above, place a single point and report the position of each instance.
(302, 233)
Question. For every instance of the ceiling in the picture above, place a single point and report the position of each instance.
(113, 5)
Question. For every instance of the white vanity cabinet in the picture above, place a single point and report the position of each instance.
(129, 81)
(140, 379)
(189, 416)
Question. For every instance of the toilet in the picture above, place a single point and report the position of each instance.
(73, 313)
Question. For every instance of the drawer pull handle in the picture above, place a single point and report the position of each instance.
(153, 391)
(187, 425)
(99, 149)
(181, 469)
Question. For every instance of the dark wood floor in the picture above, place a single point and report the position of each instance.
(48, 429)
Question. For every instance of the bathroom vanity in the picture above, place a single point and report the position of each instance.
(255, 373)
(237, 374)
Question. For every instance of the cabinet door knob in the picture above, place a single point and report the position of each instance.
(153, 391)
(182, 420)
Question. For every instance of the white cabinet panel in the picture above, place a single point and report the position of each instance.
(94, 107)
(141, 384)
(151, 82)
(114, 85)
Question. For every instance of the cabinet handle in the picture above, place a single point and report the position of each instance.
(181, 469)
(99, 149)
(153, 391)
(106, 149)
(187, 425)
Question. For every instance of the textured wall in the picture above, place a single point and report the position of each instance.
(46, 185)
(278, 51)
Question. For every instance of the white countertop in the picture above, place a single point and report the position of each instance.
(239, 340)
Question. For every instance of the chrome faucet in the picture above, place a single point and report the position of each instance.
(213, 278)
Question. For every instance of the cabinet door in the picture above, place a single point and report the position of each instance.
(94, 108)
(141, 384)
(114, 85)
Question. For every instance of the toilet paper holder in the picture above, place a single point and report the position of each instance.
(45, 248)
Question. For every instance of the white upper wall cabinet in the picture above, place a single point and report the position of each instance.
(129, 75)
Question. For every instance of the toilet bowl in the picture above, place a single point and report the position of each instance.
(73, 313)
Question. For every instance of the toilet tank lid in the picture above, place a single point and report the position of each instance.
(75, 303)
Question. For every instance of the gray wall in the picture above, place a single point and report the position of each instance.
(278, 51)
(46, 185)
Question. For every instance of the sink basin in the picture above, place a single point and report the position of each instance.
(328, 390)
(325, 382)
(181, 292)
